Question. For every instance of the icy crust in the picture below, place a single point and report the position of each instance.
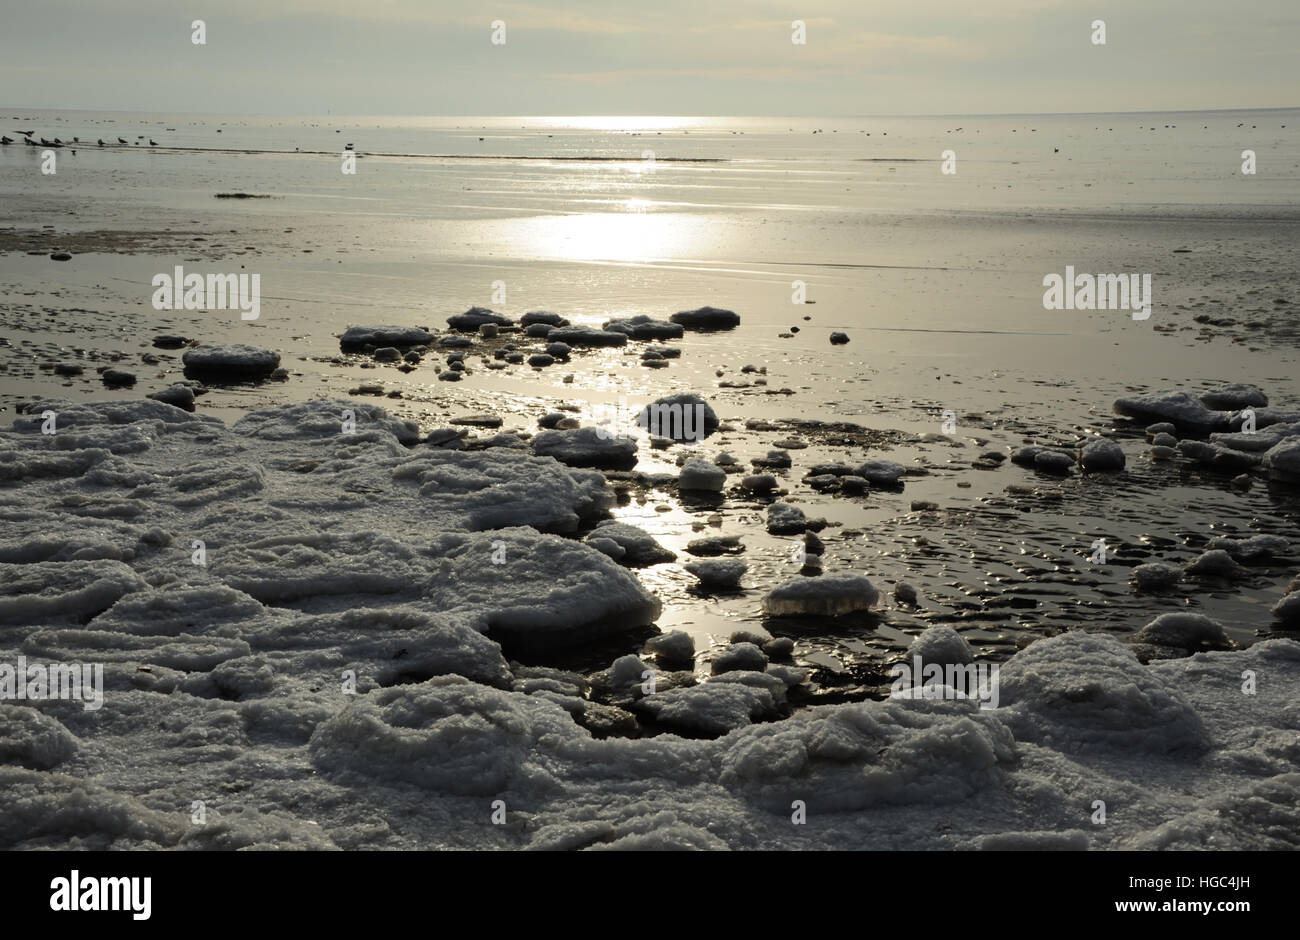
(493, 489)
(81, 415)
(421, 764)
(289, 508)
(448, 735)
(57, 590)
(1081, 691)
(30, 739)
(317, 420)
(338, 657)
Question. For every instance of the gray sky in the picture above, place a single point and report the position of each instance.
(649, 56)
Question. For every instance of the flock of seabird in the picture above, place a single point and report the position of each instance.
(6, 140)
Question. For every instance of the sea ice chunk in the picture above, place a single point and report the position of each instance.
(828, 596)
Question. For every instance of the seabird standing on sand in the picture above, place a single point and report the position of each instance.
(121, 140)
(152, 142)
(101, 141)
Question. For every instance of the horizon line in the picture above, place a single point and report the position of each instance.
(987, 114)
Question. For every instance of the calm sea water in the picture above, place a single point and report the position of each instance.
(855, 208)
(936, 277)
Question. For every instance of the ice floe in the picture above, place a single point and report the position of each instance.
(828, 596)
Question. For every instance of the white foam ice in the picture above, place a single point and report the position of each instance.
(329, 555)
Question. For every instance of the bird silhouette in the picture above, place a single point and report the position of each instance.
(121, 140)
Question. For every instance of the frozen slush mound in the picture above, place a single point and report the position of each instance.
(81, 415)
(587, 447)
(51, 810)
(542, 585)
(828, 596)
(447, 735)
(392, 644)
(1282, 461)
(73, 589)
(328, 420)
(1080, 692)
(851, 757)
(494, 488)
(31, 739)
(520, 580)
(712, 708)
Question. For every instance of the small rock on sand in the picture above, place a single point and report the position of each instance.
(584, 336)
(758, 483)
(683, 417)
(357, 337)
(1053, 461)
(880, 472)
(116, 378)
(707, 318)
(232, 361)
(180, 396)
(644, 327)
(542, 316)
(474, 317)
